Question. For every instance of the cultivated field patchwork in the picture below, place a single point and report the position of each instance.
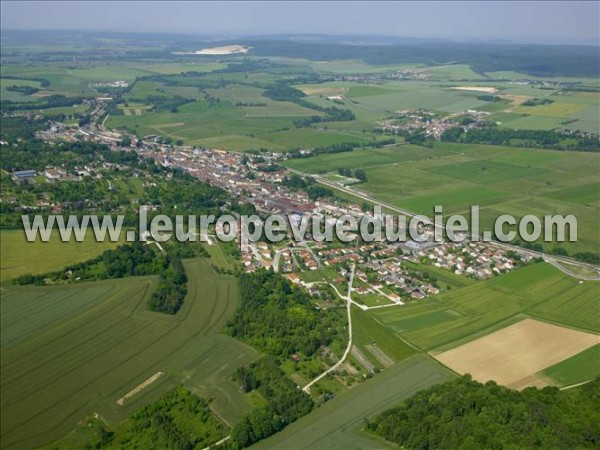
(513, 355)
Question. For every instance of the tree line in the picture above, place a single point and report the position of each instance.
(550, 139)
(134, 259)
(52, 101)
(339, 148)
(25, 90)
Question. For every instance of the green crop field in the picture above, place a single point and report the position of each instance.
(62, 81)
(19, 257)
(366, 90)
(354, 66)
(252, 95)
(539, 290)
(577, 111)
(576, 369)
(66, 110)
(584, 194)
(414, 95)
(5, 94)
(454, 71)
(365, 158)
(511, 75)
(244, 119)
(367, 331)
(338, 423)
(500, 180)
(534, 122)
(71, 350)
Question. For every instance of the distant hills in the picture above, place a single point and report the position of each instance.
(533, 59)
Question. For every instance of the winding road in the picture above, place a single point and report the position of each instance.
(349, 302)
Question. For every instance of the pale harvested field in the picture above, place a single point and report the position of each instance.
(513, 355)
(516, 99)
(322, 90)
(489, 90)
(226, 50)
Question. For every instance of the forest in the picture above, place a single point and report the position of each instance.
(285, 402)
(465, 414)
(278, 319)
(179, 420)
(169, 295)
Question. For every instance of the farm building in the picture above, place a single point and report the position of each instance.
(21, 176)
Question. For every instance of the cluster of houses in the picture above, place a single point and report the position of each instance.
(474, 259)
(431, 124)
(113, 84)
(265, 190)
(390, 273)
(54, 174)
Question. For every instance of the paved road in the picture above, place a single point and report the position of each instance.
(552, 259)
(569, 272)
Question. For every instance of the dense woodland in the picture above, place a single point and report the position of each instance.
(278, 319)
(37, 154)
(169, 295)
(179, 420)
(15, 127)
(464, 414)
(285, 402)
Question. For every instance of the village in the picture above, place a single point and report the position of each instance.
(387, 273)
(433, 125)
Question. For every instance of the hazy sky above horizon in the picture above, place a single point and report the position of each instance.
(544, 22)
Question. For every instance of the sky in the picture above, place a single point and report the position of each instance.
(567, 22)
